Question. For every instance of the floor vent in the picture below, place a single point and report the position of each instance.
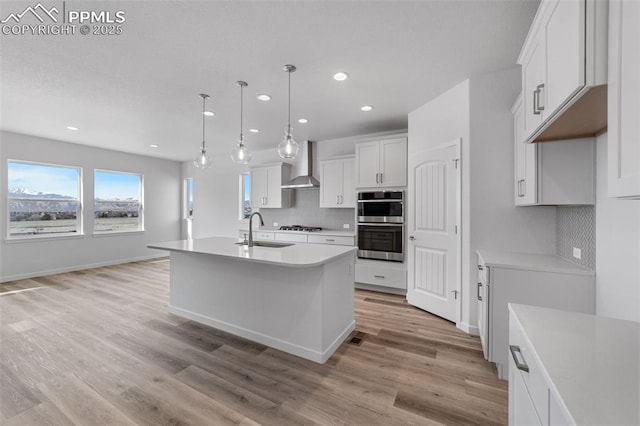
(357, 339)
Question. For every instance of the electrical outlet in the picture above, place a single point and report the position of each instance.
(275, 224)
(577, 253)
(345, 226)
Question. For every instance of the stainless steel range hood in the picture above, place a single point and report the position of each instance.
(305, 178)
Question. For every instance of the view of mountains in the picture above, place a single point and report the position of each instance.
(29, 201)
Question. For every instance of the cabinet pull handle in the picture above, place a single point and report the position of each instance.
(337, 199)
(536, 95)
(479, 297)
(377, 181)
(329, 240)
(378, 276)
(521, 365)
(540, 89)
(381, 177)
(521, 188)
(524, 187)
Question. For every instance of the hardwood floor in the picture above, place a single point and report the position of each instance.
(98, 347)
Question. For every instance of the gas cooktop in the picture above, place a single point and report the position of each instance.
(300, 228)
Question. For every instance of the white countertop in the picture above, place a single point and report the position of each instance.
(335, 232)
(593, 362)
(531, 262)
(295, 255)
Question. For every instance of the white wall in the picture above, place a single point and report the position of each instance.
(478, 111)
(617, 248)
(21, 259)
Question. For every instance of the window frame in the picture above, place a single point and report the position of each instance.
(186, 213)
(79, 231)
(241, 195)
(141, 228)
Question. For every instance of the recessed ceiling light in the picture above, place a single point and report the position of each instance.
(340, 76)
(209, 113)
(366, 108)
(303, 120)
(72, 128)
(263, 97)
(254, 130)
(153, 145)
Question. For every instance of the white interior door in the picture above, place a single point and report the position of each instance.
(434, 243)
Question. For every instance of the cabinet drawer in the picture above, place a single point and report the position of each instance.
(533, 379)
(296, 238)
(262, 235)
(331, 239)
(378, 275)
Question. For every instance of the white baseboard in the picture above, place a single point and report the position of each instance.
(381, 289)
(468, 328)
(307, 353)
(77, 268)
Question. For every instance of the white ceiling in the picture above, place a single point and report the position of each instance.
(128, 91)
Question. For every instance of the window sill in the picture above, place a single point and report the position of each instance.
(42, 238)
(116, 233)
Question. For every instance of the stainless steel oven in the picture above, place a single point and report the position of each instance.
(381, 225)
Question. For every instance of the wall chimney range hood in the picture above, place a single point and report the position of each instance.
(305, 178)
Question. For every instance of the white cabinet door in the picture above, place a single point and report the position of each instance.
(393, 162)
(258, 187)
(273, 192)
(348, 199)
(368, 164)
(522, 412)
(331, 185)
(533, 80)
(624, 99)
(525, 169)
(565, 53)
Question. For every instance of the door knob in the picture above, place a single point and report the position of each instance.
(412, 238)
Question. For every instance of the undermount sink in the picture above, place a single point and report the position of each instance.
(267, 244)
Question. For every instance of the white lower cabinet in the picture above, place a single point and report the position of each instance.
(392, 275)
(337, 240)
(540, 280)
(289, 237)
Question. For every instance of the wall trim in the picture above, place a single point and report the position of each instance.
(37, 274)
(468, 328)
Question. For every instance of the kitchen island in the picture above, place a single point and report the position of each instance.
(297, 298)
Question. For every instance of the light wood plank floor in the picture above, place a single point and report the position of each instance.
(98, 347)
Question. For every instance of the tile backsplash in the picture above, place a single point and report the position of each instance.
(575, 227)
(305, 210)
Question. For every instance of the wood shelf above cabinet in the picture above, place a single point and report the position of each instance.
(586, 117)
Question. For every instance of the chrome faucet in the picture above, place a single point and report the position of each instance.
(251, 226)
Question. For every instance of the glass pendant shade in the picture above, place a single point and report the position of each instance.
(288, 148)
(203, 160)
(240, 154)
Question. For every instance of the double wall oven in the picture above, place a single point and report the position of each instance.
(381, 225)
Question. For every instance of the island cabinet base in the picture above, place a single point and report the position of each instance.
(305, 311)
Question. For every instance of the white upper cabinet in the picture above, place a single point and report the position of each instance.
(337, 188)
(564, 71)
(381, 163)
(525, 161)
(265, 186)
(624, 99)
(552, 173)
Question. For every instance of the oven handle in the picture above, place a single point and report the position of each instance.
(380, 224)
(386, 200)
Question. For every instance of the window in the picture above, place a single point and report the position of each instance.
(188, 199)
(245, 195)
(43, 199)
(117, 202)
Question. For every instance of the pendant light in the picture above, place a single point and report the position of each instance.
(203, 161)
(240, 154)
(288, 148)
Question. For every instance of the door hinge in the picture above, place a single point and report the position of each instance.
(456, 161)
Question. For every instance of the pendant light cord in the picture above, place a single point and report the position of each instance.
(203, 100)
(241, 109)
(289, 123)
